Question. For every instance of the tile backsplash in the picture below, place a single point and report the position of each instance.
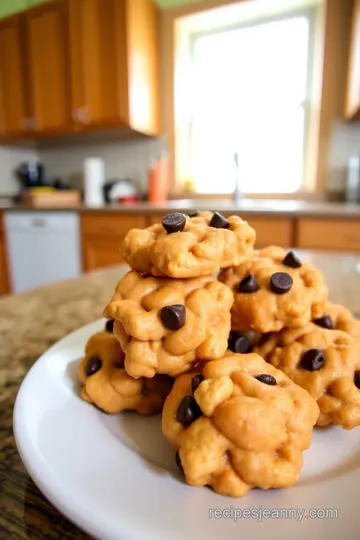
(129, 159)
(345, 143)
(10, 157)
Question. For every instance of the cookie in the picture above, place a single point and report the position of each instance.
(184, 247)
(105, 383)
(274, 290)
(324, 362)
(165, 325)
(240, 424)
(338, 317)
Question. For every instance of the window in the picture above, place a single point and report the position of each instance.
(248, 93)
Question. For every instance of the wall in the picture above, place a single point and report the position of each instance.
(130, 159)
(345, 142)
(9, 160)
(8, 7)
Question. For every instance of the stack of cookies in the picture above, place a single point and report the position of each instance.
(239, 349)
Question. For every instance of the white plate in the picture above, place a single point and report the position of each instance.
(115, 477)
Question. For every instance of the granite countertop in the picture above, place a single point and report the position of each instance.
(283, 207)
(29, 323)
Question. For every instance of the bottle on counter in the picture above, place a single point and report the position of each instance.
(158, 179)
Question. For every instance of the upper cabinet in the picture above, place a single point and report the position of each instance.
(352, 104)
(99, 66)
(13, 106)
(80, 65)
(48, 63)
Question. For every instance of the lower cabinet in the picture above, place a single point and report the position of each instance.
(102, 234)
(329, 234)
(4, 281)
(271, 231)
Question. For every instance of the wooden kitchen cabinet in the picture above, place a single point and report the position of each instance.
(13, 106)
(102, 234)
(329, 234)
(70, 66)
(352, 100)
(114, 64)
(48, 62)
(4, 277)
(270, 231)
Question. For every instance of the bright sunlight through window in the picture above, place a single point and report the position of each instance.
(249, 95)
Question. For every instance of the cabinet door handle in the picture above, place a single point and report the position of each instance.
(25, 124)
(38, 222)
(75, 116)
(32, 124)
(82, 115)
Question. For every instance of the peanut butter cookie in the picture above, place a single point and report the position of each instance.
(182, 246)
(324, 362)
(274, 290)
(238, 425)
(166, 325)
(338, 317)
(105, 382)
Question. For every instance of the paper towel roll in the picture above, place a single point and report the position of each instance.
(94, 179)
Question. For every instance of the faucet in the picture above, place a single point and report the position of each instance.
(237, 194)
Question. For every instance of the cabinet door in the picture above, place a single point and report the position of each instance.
(4, 282)
(12, 77)
(48, 49)
(100, 254)
(352, 103)
(99, 61)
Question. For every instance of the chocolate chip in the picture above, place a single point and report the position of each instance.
(219, 222)
(313, 360)
(266, 379)
(239, 343)
(93, 365)
(174, 222)
(178, 461)
(248, 285)
(195, 381)
(281, 282)
(192, 213)
(324, 321)
(292, 260)
(109, 326)
(188, 411)
(173, 317)
(357, 379)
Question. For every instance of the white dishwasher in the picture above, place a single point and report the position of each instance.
(43, 247)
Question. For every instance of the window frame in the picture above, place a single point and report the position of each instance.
(308, 182)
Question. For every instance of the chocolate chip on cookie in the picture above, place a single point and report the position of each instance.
(239, 342)
(195, 381)
(248, 285)
(173, 317)
(313, 360)
(192, 213)
(109, 326)
(93, 365)
(178, 461)
(357, 379)
(292, 260)
(173, 223)
(281, 282)
(188, 411)
(219, 222)
(266, 379)
(324, 321)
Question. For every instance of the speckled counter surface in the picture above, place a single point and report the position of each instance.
(30, 323)
(254, 207)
